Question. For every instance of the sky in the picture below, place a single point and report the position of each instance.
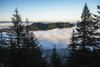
(46, 10)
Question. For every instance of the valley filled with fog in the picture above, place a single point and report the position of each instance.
(48, 38)
(58, 37)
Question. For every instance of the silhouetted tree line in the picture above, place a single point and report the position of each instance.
(22, 49)
(84, 49)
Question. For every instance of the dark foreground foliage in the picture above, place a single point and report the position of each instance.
(84, 49)
(21, 48)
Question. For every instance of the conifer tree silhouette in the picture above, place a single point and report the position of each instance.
(55, 59)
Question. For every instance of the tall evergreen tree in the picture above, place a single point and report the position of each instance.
(55, 59)
(24, 49)
(96, 50)
(85, 42)
(14, 57)
(72, 54)
(73, 43)
(84, 28)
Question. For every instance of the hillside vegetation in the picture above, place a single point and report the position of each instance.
(48, 26)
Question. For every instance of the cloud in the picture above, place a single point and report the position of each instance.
(58, 37)
(49, 38)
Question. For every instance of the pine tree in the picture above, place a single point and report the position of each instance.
(73, 44)
(97, 20)
(14, 57)
(72, 48)
(55, 59)
(85, 42)
(96, 50)
(24, 49)
(84, 28)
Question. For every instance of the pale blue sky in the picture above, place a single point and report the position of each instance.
(46, 10)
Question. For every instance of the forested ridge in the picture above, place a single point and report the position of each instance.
(48, 26)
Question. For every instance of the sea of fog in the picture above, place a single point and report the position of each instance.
(47, 39)
(58, 37)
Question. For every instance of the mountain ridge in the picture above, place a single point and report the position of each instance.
(48, 26)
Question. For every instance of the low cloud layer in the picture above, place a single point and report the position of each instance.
(49, 38)
(58, 37)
